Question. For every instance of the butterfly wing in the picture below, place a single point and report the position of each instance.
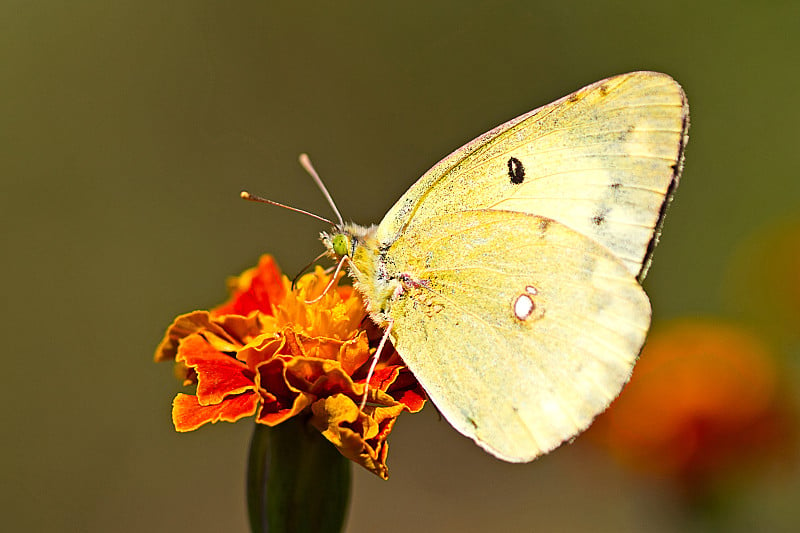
(603, 161)
(520, 329)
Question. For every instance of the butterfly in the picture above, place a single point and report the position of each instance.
(508, 276)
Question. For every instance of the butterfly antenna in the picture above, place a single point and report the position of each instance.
(306, 163)
(320, 256)
(253, 198)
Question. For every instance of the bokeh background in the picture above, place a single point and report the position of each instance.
(127, 130)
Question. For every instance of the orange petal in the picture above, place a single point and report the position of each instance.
(280, 399)
(274, 412)
(195, 322)
(317, 376)
(218, 374)
(400, 385)
(261, 349)
(407, 390)
(188, 414)
(354, 353)
(321, 347)
(335, 417)
(244, 328)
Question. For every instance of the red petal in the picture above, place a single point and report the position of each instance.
(264, 289)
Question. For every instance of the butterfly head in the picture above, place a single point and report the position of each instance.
(345, 239)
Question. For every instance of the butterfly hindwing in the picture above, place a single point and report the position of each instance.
(520, 329)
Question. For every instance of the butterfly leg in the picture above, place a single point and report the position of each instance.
(374, 363)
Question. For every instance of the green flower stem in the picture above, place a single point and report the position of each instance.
(297, 481)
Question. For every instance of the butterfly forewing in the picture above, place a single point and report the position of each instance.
(603, 161)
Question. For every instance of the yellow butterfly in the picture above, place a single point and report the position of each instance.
(508, 275)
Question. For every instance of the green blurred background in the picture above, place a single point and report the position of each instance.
(127, 130)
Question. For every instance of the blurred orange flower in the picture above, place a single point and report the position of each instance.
(268, 353)
(705, 401)
(762, 283)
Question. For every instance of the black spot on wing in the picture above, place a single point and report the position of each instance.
(516, 171)
(625, 135)
(615, 192)
(544, 223)
(600, 216)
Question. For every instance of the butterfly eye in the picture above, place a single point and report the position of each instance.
(341, 244)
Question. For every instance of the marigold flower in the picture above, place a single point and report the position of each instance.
(266, 352)
(704, 402)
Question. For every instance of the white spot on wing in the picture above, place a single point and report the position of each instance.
(523, 306)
